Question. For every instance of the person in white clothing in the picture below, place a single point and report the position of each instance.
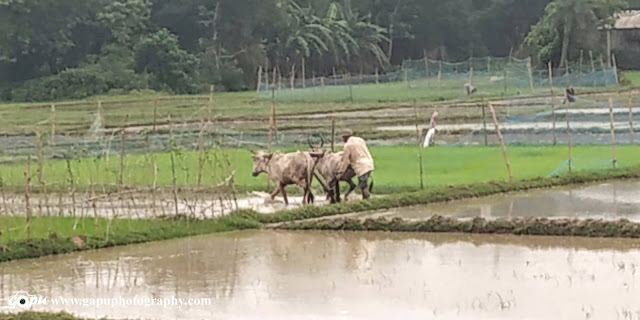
(430, 137)
(357, 156)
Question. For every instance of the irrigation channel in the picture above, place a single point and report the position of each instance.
(273, 274)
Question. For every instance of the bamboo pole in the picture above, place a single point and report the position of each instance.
(4, 198)
(608, 47)
(304, 79)
(272, 120)
(631, 131)
(613, 132)
(567, 116)
(484, 125)
(489, 65)
(593, 65)
(350, 87)
(530, 69)
(377, 76)
(333, 135)
(200, 153)
(27, 192)
(155, 115)
(275, 73)
(41, 183)
(415, 109)
(471, 75)
(293, 76)
(426, 66)
(322, 82)
(72, 188)
(259, 79)
(566, 66)
(615, 66)
(439, 72)
(505, 80)
(504, 149)
(154, 186)
(581, 59)
(406, 78)
(173, 169)
(52, 139)
(212, 90)
(553, 107)
(122, 152)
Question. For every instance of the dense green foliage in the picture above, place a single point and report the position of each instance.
(68, 49)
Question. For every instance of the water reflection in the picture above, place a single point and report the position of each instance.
(298, 275)
(608, 201)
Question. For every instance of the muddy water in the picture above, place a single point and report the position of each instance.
(314, 275)
(613, 200)
(142, 205)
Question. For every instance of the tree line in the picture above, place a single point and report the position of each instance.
(51, 49)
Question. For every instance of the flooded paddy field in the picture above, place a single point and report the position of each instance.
(338, 275)
(141, 205)
(609, 201)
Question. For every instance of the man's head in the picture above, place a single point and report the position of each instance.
(346, 134)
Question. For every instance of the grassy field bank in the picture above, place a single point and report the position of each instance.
(56, 235)
(515, 226)
(397, 167)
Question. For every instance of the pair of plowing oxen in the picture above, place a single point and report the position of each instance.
(299, 168)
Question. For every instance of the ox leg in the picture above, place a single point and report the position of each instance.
(336, 191)
(352, 186)
(275, 193)
(308, 197)
(284, 194)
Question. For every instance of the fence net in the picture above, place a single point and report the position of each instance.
(438, 80)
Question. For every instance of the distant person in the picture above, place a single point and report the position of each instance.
(429, 139)
(569, 95)
(357, 155)
(469, 89)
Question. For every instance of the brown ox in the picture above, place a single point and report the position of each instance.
(328, 165)
(286, 169)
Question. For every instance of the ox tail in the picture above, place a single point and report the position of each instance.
(371, 186)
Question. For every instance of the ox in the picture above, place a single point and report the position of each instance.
(287, 169)
(328, 165)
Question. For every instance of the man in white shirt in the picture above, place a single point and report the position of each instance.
(356, 154)
(429, 139)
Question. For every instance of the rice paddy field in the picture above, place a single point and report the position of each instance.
(397, 167)
(186, 148)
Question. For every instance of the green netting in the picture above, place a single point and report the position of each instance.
(439, 80)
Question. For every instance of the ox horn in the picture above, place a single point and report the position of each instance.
(309, 142)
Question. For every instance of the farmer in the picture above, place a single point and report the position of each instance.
(357, 155)
(430, 137)
(569, 95)
(469, 89)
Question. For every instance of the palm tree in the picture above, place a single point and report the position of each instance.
(306, 33)
(368, 35)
